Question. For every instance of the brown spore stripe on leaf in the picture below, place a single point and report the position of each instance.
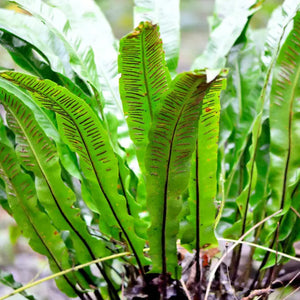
(172, 142)
(144, 78)
(20, 119)
(10, 172)
(56, 98)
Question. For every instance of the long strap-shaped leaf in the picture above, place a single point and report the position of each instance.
(39, 155)
(228, 23)
(84, 133)
(46, 121)
(203, 182)
(280, 18)
(172, 142)
(167, 15)
(28, 28)
(17, 32)
(144, 78)
(276, 32)
(285, 121)
(95, 60)
(34, 223)
(284, 128)
(254, 192)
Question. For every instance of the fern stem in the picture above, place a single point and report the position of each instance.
(246, 206)
(198, 275)
(124, 194)
(213, 272)
(98, 295)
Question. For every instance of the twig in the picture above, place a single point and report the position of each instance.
(290, 282)
(292, 293)
(295, 211)
(185, 289)
(258, 293)
(261, 247)
(212, 275)
(228, 277)
(294, 277)
(53, 276)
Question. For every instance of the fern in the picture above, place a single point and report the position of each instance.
(144, 79)
(172, 142)
(83, 132)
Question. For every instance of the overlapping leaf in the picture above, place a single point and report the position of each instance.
(144, 79)
(285, 121)
(276, 32)
(172, 142)
(283, 176)
(203, 182)
(231, 19)
(84, 133)
(276, 29)
(47, 124)
(8, 280)
(166, 14)
(94, 60)
(78, 19)
(240, 104)
(39, 155)
(35, 224)
(28, 28)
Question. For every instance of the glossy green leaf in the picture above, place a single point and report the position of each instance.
(262, 160)
(166, 14)
(232, 19)
(80, 58)
(290, 224)
(254, 194)
(241, 97)
(25, 57)
(285, 122)
(84, 133)
(47, 123)
(39, 155)
(3, 135)
(144, 79)
(94, 60)
(284, 129)
(128, 190)
(76, 20)
(168, 157)
(203, 182)
(35, 224)
(276, 29)
(27, 28)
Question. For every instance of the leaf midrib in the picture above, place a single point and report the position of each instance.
(166, 187)
(145, 74)
(82, 64)
(295, 83)
(39, 236)
(97, 177)
(47, 181)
